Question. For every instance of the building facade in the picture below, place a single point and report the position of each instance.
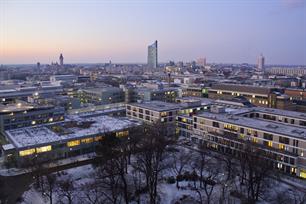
(282, 140)
(153, 55)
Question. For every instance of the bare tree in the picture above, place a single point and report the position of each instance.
(66, 191)
(49, 186)
(255, 169)
(112, 159)
(150, 159)
(179, 162)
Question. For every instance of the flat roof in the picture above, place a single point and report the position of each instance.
(157, 105)
(272, 127)
(7, 147)
(44, 134)
(291, 114)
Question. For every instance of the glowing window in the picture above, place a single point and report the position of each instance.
(87, 140)
(50, 119)
(122, 133)
(281, 146)
(270, 144)
(163, 114)
(255, 140)
(43, 149)
(73, 143)
(98, 138)
(303, 173)
(26, 152)
(33, 122)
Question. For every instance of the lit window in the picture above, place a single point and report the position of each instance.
(43, 149)
(253, 96)
(33, 122)
(98, 138)
(255, 140)
(87, 140)
(270, 143)
(26, 152)
(50, 119)
(73, 143)
(163, 114)
(122, 133)
(281, 146)
(303, 173)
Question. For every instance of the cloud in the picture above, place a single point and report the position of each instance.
(293, 4)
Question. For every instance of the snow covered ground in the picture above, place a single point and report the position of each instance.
(169, 193)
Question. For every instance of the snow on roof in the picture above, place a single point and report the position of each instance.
(43, 134)
(157, 105)
(267, 126)
(7, 147)
(286, 113)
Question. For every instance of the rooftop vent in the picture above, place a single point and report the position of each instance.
(231, 117)
(272, 126)
(297, 131)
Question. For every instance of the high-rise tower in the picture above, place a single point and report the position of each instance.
(152, 55)
(261, 63)
(61, 59)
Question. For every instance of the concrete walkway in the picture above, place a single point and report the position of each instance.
(58, 163)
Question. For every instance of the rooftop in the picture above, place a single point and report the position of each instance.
(243, 88)
(277, 128)
(291, 114)
(157, 106)
(74, 127)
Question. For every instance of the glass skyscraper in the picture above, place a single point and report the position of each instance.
(152, 55)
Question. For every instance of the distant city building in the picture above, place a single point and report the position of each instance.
(260, 96)
(201, 62)
(38, 66)
(288, 71)
(261, 63)
(102, 95)
(152, 55)
(61, 59)
(59, 79)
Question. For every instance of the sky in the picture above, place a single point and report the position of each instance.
(96, 31)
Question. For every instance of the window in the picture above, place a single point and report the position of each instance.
(26, 152)
(87, 140)
(241, 130)
(163, 114)
(284, 140)
(303, 123)
(281, 146)
(268, 136)
(43, 149)
(98, 138)
(122, 133)
(215, 124)
(255, 140)
(73, 143)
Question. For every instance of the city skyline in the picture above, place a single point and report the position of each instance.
(231, 32)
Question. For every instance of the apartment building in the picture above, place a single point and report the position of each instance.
(259, 96)
(165, 94)
(229, 131)
(287, 71)
(76, 135)
(154, 112)
(102, 95)
(22, 93)
(22, 114)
